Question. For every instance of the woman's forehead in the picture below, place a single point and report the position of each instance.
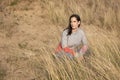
(73, 19)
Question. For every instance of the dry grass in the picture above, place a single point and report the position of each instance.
(101, 13)
(28, 41)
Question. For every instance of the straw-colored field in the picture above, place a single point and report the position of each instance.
(30, 30)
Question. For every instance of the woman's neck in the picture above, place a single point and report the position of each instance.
(74, 30)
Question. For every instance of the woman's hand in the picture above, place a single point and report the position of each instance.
(84, 49)
(79, 56)
(76, 54)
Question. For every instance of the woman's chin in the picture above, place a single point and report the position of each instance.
(74, 28)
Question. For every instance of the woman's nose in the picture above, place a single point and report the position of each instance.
(72, 23)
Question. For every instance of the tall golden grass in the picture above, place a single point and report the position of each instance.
(104, 60)
(101, 22)
(100, 12)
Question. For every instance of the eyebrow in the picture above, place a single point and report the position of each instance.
(72, 21)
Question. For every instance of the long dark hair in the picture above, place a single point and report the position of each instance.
(69, 25)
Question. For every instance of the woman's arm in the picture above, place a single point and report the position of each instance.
(83, 49)
(84, 41)
(64, 39)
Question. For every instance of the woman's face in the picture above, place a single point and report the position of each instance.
(74, 23)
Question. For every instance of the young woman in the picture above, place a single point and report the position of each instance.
(72, 37)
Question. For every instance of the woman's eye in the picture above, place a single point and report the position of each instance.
(74, 21)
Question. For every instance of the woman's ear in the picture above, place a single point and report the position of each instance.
(79, 22)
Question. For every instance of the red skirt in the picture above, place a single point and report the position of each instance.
(66, 49)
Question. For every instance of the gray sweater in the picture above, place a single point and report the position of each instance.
(73, 40)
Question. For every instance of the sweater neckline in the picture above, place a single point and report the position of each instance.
(75, 31)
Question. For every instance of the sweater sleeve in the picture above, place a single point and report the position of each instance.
(64, 39)
(84, 39)
(64, 43)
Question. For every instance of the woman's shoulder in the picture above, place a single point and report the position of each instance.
(65, 31)
(81, 31)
